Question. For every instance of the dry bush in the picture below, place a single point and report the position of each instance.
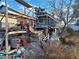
(58, 51)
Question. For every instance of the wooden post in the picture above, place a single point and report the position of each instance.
(48, 27)
(6, 22)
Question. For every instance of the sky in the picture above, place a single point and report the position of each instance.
(15, 5)
(39, 3)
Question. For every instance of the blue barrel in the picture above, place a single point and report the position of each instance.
(2, 56)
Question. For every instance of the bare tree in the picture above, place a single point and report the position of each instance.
(62, 11)
(76, 8)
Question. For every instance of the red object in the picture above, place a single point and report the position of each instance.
(23, 41)
(25, 25)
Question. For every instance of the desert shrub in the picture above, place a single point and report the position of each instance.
(58, 51)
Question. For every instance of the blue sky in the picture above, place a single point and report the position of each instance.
(13, 4)
(40, 3)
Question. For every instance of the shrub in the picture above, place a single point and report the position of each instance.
(58, 51)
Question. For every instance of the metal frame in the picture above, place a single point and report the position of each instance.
(6, 22)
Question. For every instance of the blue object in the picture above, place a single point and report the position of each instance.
(1, 56)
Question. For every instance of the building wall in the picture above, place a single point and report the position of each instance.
(11, 21)
(45, 22)
(29, 21)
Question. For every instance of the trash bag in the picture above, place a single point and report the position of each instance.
(33, 51)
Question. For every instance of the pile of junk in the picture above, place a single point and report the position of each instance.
(24, 44)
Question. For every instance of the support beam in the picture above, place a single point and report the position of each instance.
(24, 3)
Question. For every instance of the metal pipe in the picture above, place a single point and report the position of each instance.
(6, 22)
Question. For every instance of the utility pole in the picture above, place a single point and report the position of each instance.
(6, 22)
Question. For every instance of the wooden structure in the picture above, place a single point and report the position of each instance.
(44, 20)
(14, 17)
(10, 15)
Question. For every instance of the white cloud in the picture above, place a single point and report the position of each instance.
(21, 7)
(3, 3)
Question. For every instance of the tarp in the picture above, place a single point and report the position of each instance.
(33, 51)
